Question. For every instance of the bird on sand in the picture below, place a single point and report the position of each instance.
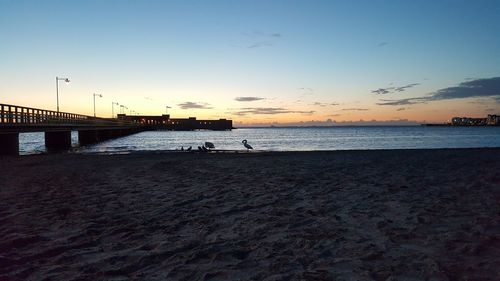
(209, 145)
(246, 145)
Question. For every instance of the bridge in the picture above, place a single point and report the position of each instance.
(57, 127)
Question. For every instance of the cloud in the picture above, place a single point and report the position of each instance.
(268, 111)
(260, 44)
(401, 109)
(399, 102)
(489, 87)
(194, 105)
(382, 44)
(262, 34)
(479, 88)
(403, 88)
(248, 98)
(261, 39)
(384, 91)
(324, 104)
(355, 109)
(306, 91)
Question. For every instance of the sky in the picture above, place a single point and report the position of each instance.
(257, 62)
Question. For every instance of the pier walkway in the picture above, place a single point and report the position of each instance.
(57, 127)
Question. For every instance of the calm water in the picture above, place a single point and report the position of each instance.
(282, 139)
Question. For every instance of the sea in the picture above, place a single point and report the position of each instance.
(287, 139)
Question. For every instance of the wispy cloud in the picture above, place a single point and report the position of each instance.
(194, 105)
(261, 39)
(382, 91)
(249, 98)
(382, 44)
(355, 109)
(262, 34)
(306, 91)
(479, 88)
(403, 88)
(401, 109)
(269, 111)
(400, 102)
(260, 44)
(388, 90)
(324, 104)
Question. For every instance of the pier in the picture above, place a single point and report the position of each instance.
(57, 126)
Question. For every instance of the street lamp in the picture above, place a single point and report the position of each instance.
(96, 95)
(122, 109)
(113, 109)
(57, 88)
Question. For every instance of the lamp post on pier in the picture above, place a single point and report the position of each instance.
(57, 88)
(96, 95)
(113, 109)
(122, 109)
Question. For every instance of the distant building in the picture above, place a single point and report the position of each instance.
(491, 120)
(179, 124)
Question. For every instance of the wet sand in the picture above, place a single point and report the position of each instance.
(346, 215)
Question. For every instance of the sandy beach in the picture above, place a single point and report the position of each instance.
(345, 215)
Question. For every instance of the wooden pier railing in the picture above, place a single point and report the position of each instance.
(13, 115)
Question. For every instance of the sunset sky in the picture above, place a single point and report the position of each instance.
(256, 62)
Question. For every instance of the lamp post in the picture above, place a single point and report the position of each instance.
(96, 95)
(113, 109)
(122, 109)
(57, 88)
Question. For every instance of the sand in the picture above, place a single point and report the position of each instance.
(346, 215)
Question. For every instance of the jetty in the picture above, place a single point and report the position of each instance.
(57, 126)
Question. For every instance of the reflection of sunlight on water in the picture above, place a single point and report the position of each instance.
(283, 139)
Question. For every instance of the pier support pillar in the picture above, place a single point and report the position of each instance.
(104, 135)
(9, 144)
(87, 137)
(60, 140)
